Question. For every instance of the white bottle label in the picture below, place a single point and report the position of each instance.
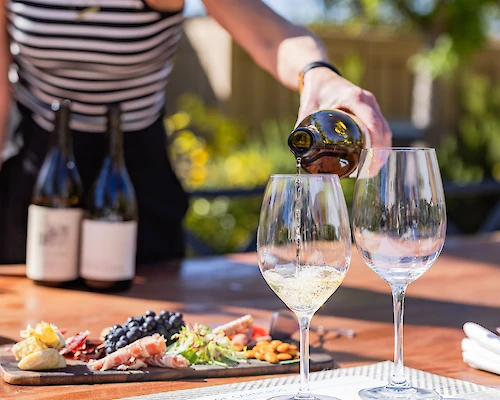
(52, 243)
(108, 250)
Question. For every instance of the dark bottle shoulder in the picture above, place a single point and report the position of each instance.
(58, 184)
(334, 125)
(112, 197)
(113, 181)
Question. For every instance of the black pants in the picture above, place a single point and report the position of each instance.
(161, 201)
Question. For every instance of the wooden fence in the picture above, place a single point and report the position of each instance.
(211, 65)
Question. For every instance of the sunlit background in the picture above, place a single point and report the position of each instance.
(434, 66)
(295, 10)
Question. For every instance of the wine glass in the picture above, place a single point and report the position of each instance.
(304, 250)
(399, 222)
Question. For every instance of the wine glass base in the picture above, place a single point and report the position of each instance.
(388, 393)
(301, 397)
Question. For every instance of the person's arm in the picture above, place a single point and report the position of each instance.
(278, 46)
(5, 95)
(284, 49)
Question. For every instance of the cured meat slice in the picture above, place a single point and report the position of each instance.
(134, 364)
(74, 343)
(239, 325)
(167, 361)
(140, 349)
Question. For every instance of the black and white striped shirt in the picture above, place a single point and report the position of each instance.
(93, 52)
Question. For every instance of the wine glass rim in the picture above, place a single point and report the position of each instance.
(303, 176)
(399, 149)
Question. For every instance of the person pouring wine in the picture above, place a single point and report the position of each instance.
(122, 52)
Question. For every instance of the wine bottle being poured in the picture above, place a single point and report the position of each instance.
(109, 228)
(328, 142)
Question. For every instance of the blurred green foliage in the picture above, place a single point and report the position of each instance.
(451, 31)
(353, 67)
(471, 152)
(211, 151)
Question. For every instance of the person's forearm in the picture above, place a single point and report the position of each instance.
(294, 54)
(277, 45)
(284, 49)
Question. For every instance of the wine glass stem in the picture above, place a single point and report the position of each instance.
(398, 379)
(304, 323)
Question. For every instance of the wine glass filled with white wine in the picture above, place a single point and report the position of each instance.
(304, 250)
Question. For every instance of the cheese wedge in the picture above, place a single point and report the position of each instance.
(42, 360)
(28, 346)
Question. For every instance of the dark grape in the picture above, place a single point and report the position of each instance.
(131, 335)
(112, 338)
(165, 323)
(119, 332)
(178, 324)
(150, 323)
(171, 332)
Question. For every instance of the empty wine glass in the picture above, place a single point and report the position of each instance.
(304, 250)
(399, 222)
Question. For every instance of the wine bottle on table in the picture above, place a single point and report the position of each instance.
(54, 217)
(109, 228)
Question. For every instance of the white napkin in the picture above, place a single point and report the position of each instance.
(481, 348)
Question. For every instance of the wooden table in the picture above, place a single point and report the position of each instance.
(463, 285)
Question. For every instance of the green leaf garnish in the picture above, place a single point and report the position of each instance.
(199, 345)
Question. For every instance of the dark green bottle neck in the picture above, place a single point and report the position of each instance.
(115, 133)
(61, 137)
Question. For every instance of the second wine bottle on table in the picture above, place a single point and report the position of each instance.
(109, 228)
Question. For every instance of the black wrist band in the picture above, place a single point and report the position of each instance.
(312, 65)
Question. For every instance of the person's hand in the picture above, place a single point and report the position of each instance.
(325, 90)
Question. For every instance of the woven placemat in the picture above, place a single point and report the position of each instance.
(447, 387)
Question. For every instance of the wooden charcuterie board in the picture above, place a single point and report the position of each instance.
(77, 372)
